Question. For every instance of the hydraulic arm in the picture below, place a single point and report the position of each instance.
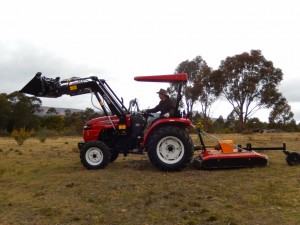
(41, 86)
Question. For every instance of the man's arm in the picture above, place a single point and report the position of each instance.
(155, 109)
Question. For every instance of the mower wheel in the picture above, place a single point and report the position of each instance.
(170, 148)
(293, 158)
(94, 155)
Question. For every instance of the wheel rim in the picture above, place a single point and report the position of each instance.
(94, 156)
(170, 150)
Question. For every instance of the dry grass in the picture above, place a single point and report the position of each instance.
(45, 183)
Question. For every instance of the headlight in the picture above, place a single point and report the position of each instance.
(88, 126)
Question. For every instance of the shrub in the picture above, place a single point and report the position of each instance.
(4, 133)
(199, 124)
(21, 134)
(43, 134)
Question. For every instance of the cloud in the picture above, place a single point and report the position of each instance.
(290, 90)
(19, 62)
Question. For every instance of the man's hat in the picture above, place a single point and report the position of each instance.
(162, 91)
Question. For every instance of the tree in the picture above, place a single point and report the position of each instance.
(53, 123)
(52, 112)
(189, 68)
(200, 86)
(23, 111)
(255, 125)
(204, 87)
(89, 114)
(68, 118)
(249, 83)
(75, 121)
(218, 125)
(281, 113)
(5, 110)
(231, 121)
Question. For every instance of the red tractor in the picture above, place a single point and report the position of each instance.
(166, 141)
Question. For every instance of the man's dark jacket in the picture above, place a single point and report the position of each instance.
(165, 106)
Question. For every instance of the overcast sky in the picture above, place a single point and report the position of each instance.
(118, 40)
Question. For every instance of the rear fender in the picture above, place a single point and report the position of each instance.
(183, 123)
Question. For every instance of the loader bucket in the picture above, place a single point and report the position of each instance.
(42, 87)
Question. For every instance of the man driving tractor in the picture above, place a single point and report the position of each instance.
(166, 105)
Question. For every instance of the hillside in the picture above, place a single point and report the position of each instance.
(61, 111)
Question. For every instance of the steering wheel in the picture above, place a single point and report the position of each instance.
(133, 106)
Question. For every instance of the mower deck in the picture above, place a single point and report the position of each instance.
(217, 159)
(226, 155)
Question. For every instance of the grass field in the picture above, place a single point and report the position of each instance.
(45, 183)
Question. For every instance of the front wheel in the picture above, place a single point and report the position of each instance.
(114, 154)
(94, 155)
(170, 148)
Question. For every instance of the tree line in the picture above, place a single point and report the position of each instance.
(247, 81)
(20, 111)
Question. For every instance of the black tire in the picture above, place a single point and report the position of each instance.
(293, 159)
(170, 148)
(94, 155)
(114, 154)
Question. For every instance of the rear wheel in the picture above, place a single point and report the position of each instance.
(95, 155)
(170, 148)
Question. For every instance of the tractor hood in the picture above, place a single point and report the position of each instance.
(104, 121)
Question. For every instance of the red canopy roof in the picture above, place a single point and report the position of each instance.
(171, 78)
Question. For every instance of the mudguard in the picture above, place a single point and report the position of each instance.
(184, 123)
